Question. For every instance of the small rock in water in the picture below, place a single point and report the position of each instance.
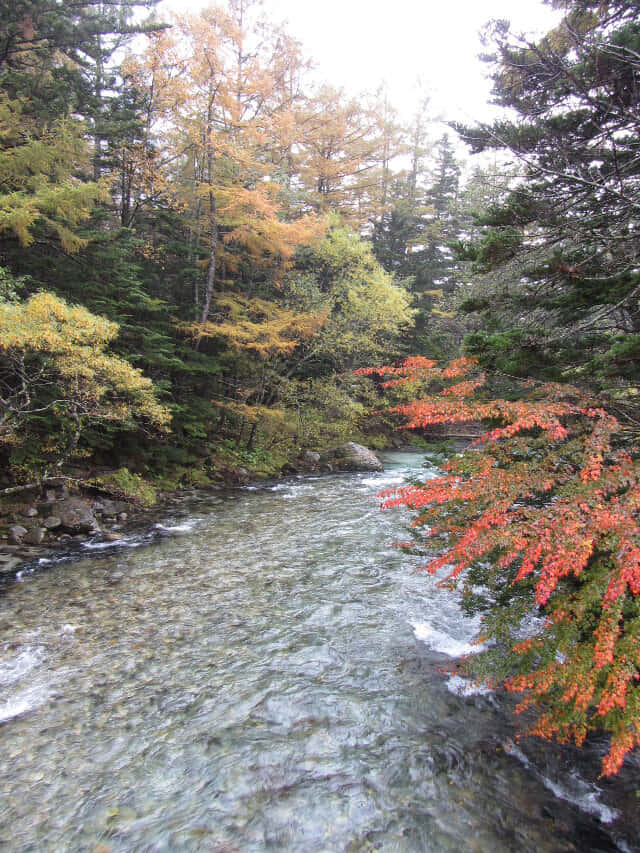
(30, 512)
(35, 536)
(112, 537)
(52, 522)
(17, 534)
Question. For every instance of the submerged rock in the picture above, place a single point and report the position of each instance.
(112, 537)
(351, 457)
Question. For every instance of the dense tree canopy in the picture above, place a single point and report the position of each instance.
(184, 191)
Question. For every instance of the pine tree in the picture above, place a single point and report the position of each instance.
(563, 247)
(415, 239)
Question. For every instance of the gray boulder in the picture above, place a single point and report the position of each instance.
(310, 459)
(351, 457)
(106, 506)
(76, 516)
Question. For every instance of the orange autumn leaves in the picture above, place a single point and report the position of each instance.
(547, 499)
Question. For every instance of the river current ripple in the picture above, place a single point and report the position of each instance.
(262, 673)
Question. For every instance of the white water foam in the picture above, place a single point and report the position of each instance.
(15, 668)
(575, 790)
(137, 540)
(15, 707)
(23, 702)
(12, 672)
(125, 542)
(398, 478)
(465, 687)
(384, 482)
(441, 642)
(185, 527)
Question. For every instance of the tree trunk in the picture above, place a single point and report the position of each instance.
(213, 247)
(213, 227)
(252, 437)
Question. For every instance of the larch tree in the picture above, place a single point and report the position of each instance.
(227, 159)
(344, 152)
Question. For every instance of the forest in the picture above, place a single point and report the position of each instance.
(210, 262)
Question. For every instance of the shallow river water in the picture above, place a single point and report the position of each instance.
(264, 672)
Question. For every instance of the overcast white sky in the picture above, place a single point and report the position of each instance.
(358, 44)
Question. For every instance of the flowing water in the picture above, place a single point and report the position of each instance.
(264, 672)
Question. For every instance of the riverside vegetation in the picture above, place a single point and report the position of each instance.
(203, 253)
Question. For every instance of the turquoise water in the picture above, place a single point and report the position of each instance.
(262, 671)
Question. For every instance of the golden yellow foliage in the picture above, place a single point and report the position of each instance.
(54, 358)
(270, 418)
(259, 326)
(37, 168)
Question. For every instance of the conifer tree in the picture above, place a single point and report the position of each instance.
(565, 296)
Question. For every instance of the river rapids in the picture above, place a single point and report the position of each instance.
(264, 671)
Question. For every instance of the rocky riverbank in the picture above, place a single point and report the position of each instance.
(46, 523)
(55, 519)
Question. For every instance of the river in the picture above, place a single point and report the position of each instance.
(263, 671)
